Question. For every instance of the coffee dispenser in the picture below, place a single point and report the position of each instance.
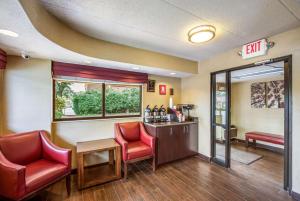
(163, 113)
(156, 116)
(147, 115)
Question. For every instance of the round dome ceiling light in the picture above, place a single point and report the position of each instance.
(202, 33)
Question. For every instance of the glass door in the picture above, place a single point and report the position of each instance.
(220, 118)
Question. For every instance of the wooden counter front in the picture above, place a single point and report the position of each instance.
(174, 140)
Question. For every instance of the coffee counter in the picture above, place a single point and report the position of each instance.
(172, 123)
(175, 140)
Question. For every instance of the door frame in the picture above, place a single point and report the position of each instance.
(287, 184)
(226, 162)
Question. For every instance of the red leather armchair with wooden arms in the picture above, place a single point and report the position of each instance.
(30, 162)
(136, 143)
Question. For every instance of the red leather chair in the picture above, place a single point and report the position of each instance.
(136, 143)
(30, 162)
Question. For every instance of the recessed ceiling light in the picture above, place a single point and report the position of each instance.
(201, 33)
(172, 73)
(135, 68)
(8, 33)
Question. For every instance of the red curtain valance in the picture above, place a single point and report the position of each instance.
(3, 59)
(99, 73)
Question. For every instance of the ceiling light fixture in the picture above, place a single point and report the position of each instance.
(8, 33)
(172, 73)
(135, 68)
(201, 33)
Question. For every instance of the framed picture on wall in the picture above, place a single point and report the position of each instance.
(258, 95)
(151, 86)
(162, 89)
(275, 94)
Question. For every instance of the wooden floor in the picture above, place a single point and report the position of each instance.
(189, 179)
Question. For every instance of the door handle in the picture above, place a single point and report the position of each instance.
(171, 131)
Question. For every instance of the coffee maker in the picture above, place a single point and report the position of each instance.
(186, 107)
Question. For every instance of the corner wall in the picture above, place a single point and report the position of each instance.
(196, 90)
(27, 95)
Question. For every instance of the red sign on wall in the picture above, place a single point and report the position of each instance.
(162, 89)
(254, 49)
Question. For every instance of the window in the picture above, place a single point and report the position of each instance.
(122, 100)
(87, 100)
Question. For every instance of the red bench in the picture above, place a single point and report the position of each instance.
(266, 137)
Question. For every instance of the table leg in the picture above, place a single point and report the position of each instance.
(118, 162)
(80, 170)
(111, 156)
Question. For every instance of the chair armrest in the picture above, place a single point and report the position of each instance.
(145, 137)
(54, 153)
(12, 179)
(121, 141)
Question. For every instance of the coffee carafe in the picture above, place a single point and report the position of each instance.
(155, 112)
(162, 113)
(147, 115)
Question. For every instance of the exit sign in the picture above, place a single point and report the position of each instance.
(255, 49)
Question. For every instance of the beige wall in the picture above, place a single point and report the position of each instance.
(28, 104)
(153, 98)
(196, 89)
(27, 95)
(246, 118)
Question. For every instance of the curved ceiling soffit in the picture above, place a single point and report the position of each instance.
(56, 31)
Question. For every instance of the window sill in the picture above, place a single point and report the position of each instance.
(97, 118)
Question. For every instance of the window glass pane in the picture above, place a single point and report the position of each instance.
(220, 143)
(220, 95)
(122, 100)
(77, 99)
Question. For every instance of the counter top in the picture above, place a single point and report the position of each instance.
(172, 123)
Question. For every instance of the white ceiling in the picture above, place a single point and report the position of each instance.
(36, 45)
(158, 25)
(162, 25)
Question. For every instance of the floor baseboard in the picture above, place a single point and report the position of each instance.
(295, 196)
(203, 157)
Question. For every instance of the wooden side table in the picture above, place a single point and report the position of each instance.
(98, 174)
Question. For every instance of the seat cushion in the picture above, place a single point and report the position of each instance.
(267, 137)
(42, 172)
(138, 149)
(22, 148)
(130, 131)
